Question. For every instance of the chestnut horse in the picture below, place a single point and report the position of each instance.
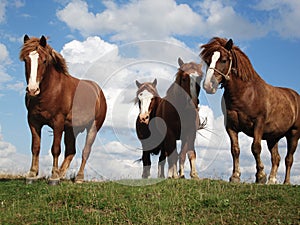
(179, 112)
(64, 103)
(252, 106)
(148, 99)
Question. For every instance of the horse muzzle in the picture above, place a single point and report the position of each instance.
(211, 86)
(33, 91)
(144, 118)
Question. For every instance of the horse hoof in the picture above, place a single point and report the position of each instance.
(31, 180)
(261, 179)
(79, 181)
(233, 179)
(53, 182)
(272, 181)
(195, 177)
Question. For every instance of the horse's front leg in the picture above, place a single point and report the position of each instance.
(261, 176)
(35, 150)
(170, 147)
(56, 149)
(146, 164)
(235, 152)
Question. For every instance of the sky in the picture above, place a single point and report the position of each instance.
(118, 42)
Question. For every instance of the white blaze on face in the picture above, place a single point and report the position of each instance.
(208, 86)
(32, 83)
(193, 81)
(145, 98)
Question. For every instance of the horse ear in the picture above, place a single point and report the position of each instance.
(138, 84)
(26, 38)
(180, 61)
(154, 83)
(43, 41)
(229, 45)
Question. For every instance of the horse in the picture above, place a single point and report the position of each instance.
(61, 101)
(148, 100)
(179, 112)
(252, 106)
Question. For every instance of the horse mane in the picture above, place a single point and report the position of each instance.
(149, 87)
(189, 67)
(54, 58)
(241, 63)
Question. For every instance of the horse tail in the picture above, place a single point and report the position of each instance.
(137, 161)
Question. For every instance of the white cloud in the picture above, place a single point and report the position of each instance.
(148, 19)
(223, 20)
(160, 20)
(4, 62)
(284, 16)
(81, 55)
(136, 20)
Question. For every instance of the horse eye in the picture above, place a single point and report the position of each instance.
(44, 61)
(223, 61)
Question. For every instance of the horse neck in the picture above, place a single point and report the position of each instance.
(236, 87)
(157, 101)
(178, 97)
(51, 79)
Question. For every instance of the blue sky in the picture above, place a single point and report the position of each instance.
(117, 31)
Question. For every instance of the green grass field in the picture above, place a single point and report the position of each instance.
(167, 202)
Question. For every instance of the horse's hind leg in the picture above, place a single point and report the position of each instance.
(292, 142)
(90, 138)
(261, 176)
(182, 157)
(275, 159)
(70, 145)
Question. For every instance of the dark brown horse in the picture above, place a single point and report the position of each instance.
(179, 112)
(252, 106)
(63, 102)
(148, 99)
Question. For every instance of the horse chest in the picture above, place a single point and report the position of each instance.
(240, 121)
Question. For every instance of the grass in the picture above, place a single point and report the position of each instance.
(167, 202)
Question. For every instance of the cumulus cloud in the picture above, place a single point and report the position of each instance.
(4, 62)
(148, 19)
(284, 16)
(155, 19)
(136, 20)
(10, 161)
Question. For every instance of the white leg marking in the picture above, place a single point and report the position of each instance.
(208, 86)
